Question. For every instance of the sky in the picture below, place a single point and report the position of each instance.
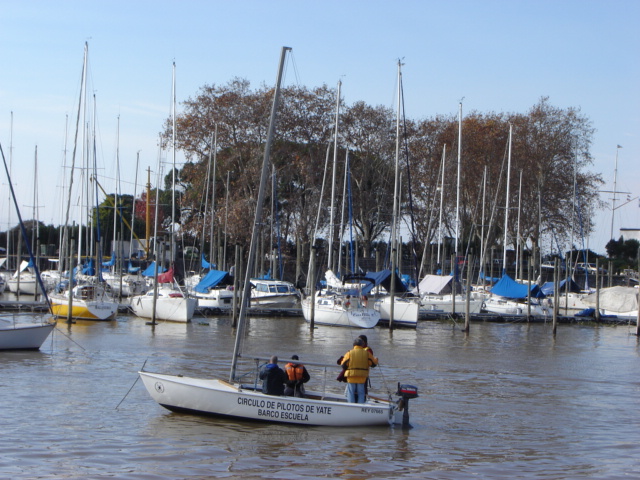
(491, 55)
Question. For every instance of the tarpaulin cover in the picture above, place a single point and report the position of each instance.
(547, 288)
(436, 285)
(150, 271)
(509, 288)
(381, 278)
(212, 279)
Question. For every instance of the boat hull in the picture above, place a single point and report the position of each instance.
(215, 397)
(328, 312)
(83, 309)
(26, 337)
(435, 304)
(405, 312)
(170, 309)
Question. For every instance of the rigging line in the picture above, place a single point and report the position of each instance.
(134, 383)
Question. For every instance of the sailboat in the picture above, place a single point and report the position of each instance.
(246, 401)
(86, 297)
(343, 304)
(21, 336)
(508, 297)
(166, 301)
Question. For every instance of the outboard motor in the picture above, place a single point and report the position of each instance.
(406, 393)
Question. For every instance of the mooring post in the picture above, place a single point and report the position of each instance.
(529, 292)
(467, 316)
(556, 276)
(311, 284)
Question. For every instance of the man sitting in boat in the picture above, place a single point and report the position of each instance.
(273, 378)
(297, 376)
(356, 363)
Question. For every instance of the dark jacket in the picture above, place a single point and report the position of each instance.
(273, 378)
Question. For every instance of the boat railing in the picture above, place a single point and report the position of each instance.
(327, 371)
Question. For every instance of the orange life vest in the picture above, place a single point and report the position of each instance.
(294, 371)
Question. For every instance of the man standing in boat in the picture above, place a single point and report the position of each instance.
(273, 378)
(356, 363)
(297, 376)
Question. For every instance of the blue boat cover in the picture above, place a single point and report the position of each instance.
(88, 268)
(509, 288)
(547, 288)
(149, 272)
(111, 262)
(213, 278)
(382, 278)
(205, 264)
(132, 269)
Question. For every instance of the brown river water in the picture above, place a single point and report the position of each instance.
(506, 401)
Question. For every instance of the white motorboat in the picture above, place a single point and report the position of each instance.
(271, 293)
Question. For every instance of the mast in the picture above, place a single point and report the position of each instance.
(484, 195)
(9, 203)
(173, 154)
(333, 182)
(115, 249)
(133, 213)
(444, 154)
(506, 207)
(344, 196)
(246, 291)
(615, 180)
(395, 199)
(518, 245)
(213, 198)
(73, 156)
(458, 180)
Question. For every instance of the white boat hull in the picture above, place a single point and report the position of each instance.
(215, 397)
(215, 299)
(170, 309)
(503, 306)
(275, 301)
(25, 337)
(25, 287)
(405, 312)
(328, 312)
(435, 304)
(83, 309)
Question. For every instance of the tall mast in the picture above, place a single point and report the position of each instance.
(396, 188)
(458, 180)
(213, 197)
(173, 154)
(116, 250)
(506, 207)
(518, 245)
(133, 213)
(246, 291)
(484, 196)
(444, 154)
(613, 200)
(9, 203)
(333, 181)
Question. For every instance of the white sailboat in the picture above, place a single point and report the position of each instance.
(166, 301)
(246, 401)
(85, 297)
(20, 336)
(342, 305)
